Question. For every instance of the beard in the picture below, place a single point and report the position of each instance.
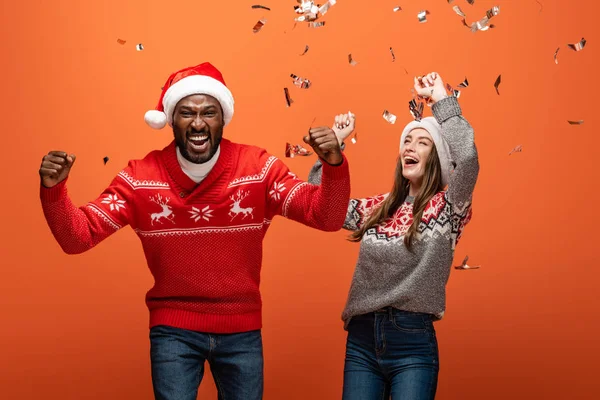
(214, 140)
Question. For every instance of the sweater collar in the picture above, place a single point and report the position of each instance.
(197, 172)
(183, 183)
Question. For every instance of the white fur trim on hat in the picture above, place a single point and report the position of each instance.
(431, 125)
(198, 84)
(156, 119)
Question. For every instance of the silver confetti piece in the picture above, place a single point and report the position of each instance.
(422, 15)
(492, 12)
(139, 47)
(396, 9)
(325, 7)
(393, 55)
(578, 46)
(517, 149)
(464, 83)
(455, 93)
(300, 82)
(459, 11)
(464, 265)
(316, 24)
(389, 117)
(354, 138)
(416, 109)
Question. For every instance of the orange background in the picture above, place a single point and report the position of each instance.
(523, 326)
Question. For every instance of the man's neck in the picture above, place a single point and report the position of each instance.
(197, 172)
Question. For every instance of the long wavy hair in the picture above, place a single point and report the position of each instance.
(432, 184)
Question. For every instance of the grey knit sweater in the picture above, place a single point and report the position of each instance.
(386, 273)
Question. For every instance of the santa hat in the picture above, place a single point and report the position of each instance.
(431, 125)
(201, 79)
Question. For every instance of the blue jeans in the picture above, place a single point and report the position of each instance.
(178, 356)
(391, 353)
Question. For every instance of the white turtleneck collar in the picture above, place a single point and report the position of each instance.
(197, 172)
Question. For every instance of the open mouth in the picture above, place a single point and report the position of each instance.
(198, 143)
(410, 161)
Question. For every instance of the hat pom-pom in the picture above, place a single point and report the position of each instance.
(155, 119)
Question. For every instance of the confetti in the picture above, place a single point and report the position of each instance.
(121, 41)
(541, 5)
(295, 150)
(263, 7)
(389, 117)
(416, 109)
(464, 21)
(422, 15)
(576, 122)
(484, 23)
(396, 9)
(311, 12)
(351, 61)
(459, 11)
(556, 56)
(455, 93)
(465, 266)
(497, 83)
(325, 7)
(393, 56)
(288, 99)
(492, 12)
(354, 138)
(517, 149)
(464, 83)
(139, 47)
(316, 24)
(300, 82)
(471, 2)
(105, 159)
(578, 46)
(258, 26)
(305, 50)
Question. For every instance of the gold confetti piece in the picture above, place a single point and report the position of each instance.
(316, 24)
(422, 15)
(556, 56)
(578, 46)
(351, 61)
(300, 82)
(464, 83)
(497, 83)
(459, 11)
(576, 122)
(263, 7)
(105, 159)
(258, 26)
(393, 56)
(396, 9)
(288, 99)
(464, 265)
(139, 47)
(121, 41)
(295, 150)
(389, 117)
(305, 50)
(517, 149)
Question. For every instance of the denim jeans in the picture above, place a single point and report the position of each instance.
(391, 353)
(178, 356)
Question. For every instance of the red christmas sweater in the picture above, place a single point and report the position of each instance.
(203, 242)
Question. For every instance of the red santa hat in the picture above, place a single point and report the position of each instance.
(201, 79)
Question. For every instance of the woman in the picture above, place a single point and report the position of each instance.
(398, 288)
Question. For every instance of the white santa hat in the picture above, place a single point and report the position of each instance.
(201, 79)
(431, 125)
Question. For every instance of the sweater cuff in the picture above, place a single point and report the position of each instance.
(53, 194)
(446, 109)
(337, 172)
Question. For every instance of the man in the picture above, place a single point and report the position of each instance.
(201, 207)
